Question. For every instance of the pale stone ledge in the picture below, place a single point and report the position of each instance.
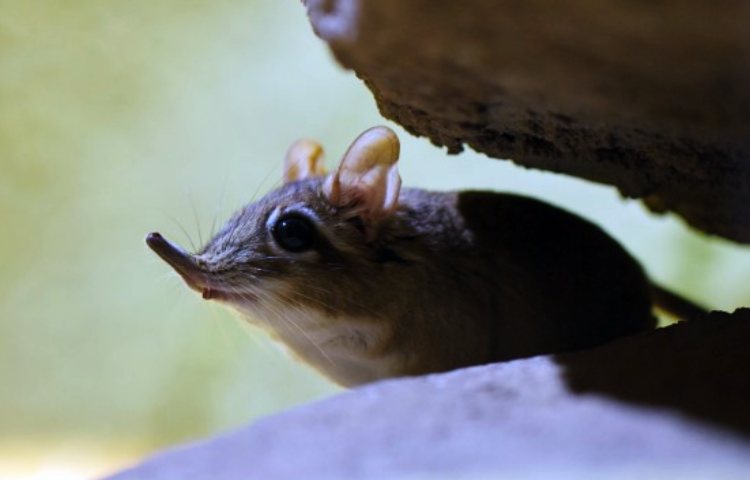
(667, 404)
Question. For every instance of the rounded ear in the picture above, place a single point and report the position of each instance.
(367, 177)
(303, 159)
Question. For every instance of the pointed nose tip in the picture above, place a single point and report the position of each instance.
(164, 248)
(153, 238)
(177, 258)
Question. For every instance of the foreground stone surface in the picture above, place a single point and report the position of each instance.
(668, 404)
(651, 97)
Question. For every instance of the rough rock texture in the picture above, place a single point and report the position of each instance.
(667, 404)
(652, 97)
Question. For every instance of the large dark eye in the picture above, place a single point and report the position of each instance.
(294, 232)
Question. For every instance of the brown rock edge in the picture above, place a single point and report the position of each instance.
(652, 97)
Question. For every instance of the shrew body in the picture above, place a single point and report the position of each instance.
(364, 280)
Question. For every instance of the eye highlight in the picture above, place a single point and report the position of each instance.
(294, 232)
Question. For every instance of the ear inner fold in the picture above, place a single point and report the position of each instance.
(303, 159)
(367, 177)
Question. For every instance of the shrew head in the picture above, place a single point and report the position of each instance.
(285, 248)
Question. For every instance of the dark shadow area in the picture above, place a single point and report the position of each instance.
(698, 368)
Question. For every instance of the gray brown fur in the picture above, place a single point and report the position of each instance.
(454, 279)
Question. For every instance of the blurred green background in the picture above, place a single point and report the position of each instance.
(118, 118)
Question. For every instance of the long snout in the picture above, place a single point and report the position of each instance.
(179, 259)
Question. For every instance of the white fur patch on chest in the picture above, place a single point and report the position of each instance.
(343, 349)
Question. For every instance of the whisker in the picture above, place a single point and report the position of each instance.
(271, 305)
(183, 230)
(264, 180)
(195, 217)
(222, 331)
(220, 207)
